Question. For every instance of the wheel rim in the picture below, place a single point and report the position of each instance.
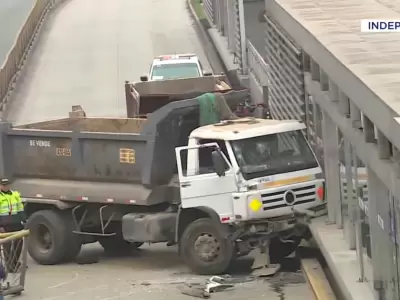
(207, 247)
(43, 238)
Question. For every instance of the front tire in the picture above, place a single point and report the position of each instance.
(51, 240)
(204, 249)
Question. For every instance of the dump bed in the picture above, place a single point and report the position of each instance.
(100, 159)
(146, 97)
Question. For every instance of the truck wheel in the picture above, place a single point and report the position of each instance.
(278, 249)
(116, 245)
(51, 240)
(204, 249)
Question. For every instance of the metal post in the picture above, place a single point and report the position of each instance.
(376, 233)
(331, 164)
(242, 37)
(351, 200)
(359, 246)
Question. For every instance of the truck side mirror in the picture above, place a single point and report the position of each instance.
(218, 163)
(144, 78)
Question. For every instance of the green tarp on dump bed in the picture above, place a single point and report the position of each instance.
(213, 108)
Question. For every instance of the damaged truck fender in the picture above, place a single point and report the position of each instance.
(189, 215)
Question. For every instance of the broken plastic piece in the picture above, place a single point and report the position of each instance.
(262, 265)
(195, 291)
(216, 284)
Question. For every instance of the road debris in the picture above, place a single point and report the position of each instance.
(212, 285)
(217, 284)
(197, 291)
(262, 266)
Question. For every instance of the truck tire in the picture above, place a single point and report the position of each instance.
(51, 240)
(116, 245)
(204, 249)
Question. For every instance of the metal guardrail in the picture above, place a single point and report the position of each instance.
(16, 56)
(258, 75)
(257, 65)
(285, 59)
(209, 10)
(228, 17)
(13, 262)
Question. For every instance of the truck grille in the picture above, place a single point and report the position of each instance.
(305, 194)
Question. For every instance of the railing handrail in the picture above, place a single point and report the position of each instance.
(257, 64)
(18, 51)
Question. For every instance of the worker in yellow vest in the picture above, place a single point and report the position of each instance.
(12, 218)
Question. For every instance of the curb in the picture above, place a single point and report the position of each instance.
(213, 54)
(316, 279)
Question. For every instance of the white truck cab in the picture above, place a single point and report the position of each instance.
(260, 177)
(269, 170)
(175, 66)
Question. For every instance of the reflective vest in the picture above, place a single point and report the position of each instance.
(10, 204)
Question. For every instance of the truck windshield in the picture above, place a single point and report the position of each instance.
(174, 71)
(273, 154)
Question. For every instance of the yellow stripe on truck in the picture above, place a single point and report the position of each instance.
(288, 181)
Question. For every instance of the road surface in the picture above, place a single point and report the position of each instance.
(89, 48)
(85, 53)
(152, 273)
(13, 14)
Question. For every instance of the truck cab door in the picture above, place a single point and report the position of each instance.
(199, 183)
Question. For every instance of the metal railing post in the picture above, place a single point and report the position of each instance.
(242, 32)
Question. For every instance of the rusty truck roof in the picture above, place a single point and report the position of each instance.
(245, 128)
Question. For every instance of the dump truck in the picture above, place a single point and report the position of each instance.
(167, 174)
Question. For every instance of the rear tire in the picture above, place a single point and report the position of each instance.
(204, 249)
(51, 240)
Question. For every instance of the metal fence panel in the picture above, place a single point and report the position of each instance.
(231, 25)
(209, 10)
(236, 32)
(217, 15)
(13, 259)
(220, 15)
(257, 65)
(286, 74)
(225, 17)
(258, 74)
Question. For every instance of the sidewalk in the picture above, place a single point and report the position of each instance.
(342, 262)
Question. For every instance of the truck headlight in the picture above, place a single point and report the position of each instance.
(255, 204)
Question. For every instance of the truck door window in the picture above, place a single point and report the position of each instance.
(205, 160)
